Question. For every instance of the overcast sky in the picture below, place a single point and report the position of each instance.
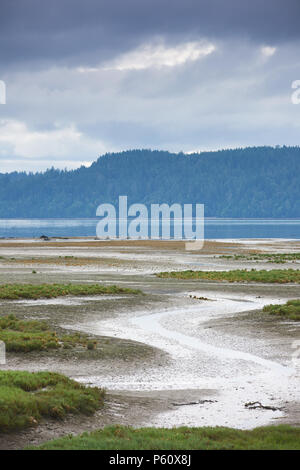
(88, 77)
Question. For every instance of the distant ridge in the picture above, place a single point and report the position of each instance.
(249, 182)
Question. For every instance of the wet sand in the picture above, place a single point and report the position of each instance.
(191, 362)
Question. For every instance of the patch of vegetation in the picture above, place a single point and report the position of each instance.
(121, 438)
(34, 335)
(26, 398)
(290, 310)
(280, 276)
(66, 260)
(63, 260)
(38, 291)
(278, 258)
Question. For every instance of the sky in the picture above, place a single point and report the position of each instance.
(84, 78)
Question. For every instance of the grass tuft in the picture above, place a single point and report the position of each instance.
(183, 438)
(22, 336)
(26, 398)
(291, 310)
(39, 291)
(279, 276)
(277, 258)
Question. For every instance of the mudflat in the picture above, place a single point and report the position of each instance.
(188, 352)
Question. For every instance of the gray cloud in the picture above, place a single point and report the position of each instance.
(74, 31)
(88, 77)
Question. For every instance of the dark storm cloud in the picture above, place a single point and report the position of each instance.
(88, 77)
(86, 31)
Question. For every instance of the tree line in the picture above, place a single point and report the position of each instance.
(249, 182)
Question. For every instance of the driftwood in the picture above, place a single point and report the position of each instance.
(198, 298)
(256, 404)
(200, 402)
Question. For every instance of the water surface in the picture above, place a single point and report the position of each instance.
(214, 228)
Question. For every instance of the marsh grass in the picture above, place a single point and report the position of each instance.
(278, 258)
(60, 260)
(21, 336)
(290, 310)
(26, 398)
(122, 438)
(47, 291)
(279, 276)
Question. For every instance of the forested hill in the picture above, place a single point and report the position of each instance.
(251, 182)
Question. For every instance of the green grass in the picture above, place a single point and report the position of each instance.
(121, 438)
(26, 398)
(278, 258)
(34, 335)
(291, 310)
(40, 340)
(38, 291)
(280, 276)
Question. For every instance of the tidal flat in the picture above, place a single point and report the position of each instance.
(189, 352)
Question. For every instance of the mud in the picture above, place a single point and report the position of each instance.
(166, 347)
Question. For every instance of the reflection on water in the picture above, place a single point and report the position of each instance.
(214, 228)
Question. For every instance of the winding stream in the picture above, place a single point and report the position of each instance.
(203, 359)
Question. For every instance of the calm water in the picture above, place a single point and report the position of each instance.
(214, 228)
